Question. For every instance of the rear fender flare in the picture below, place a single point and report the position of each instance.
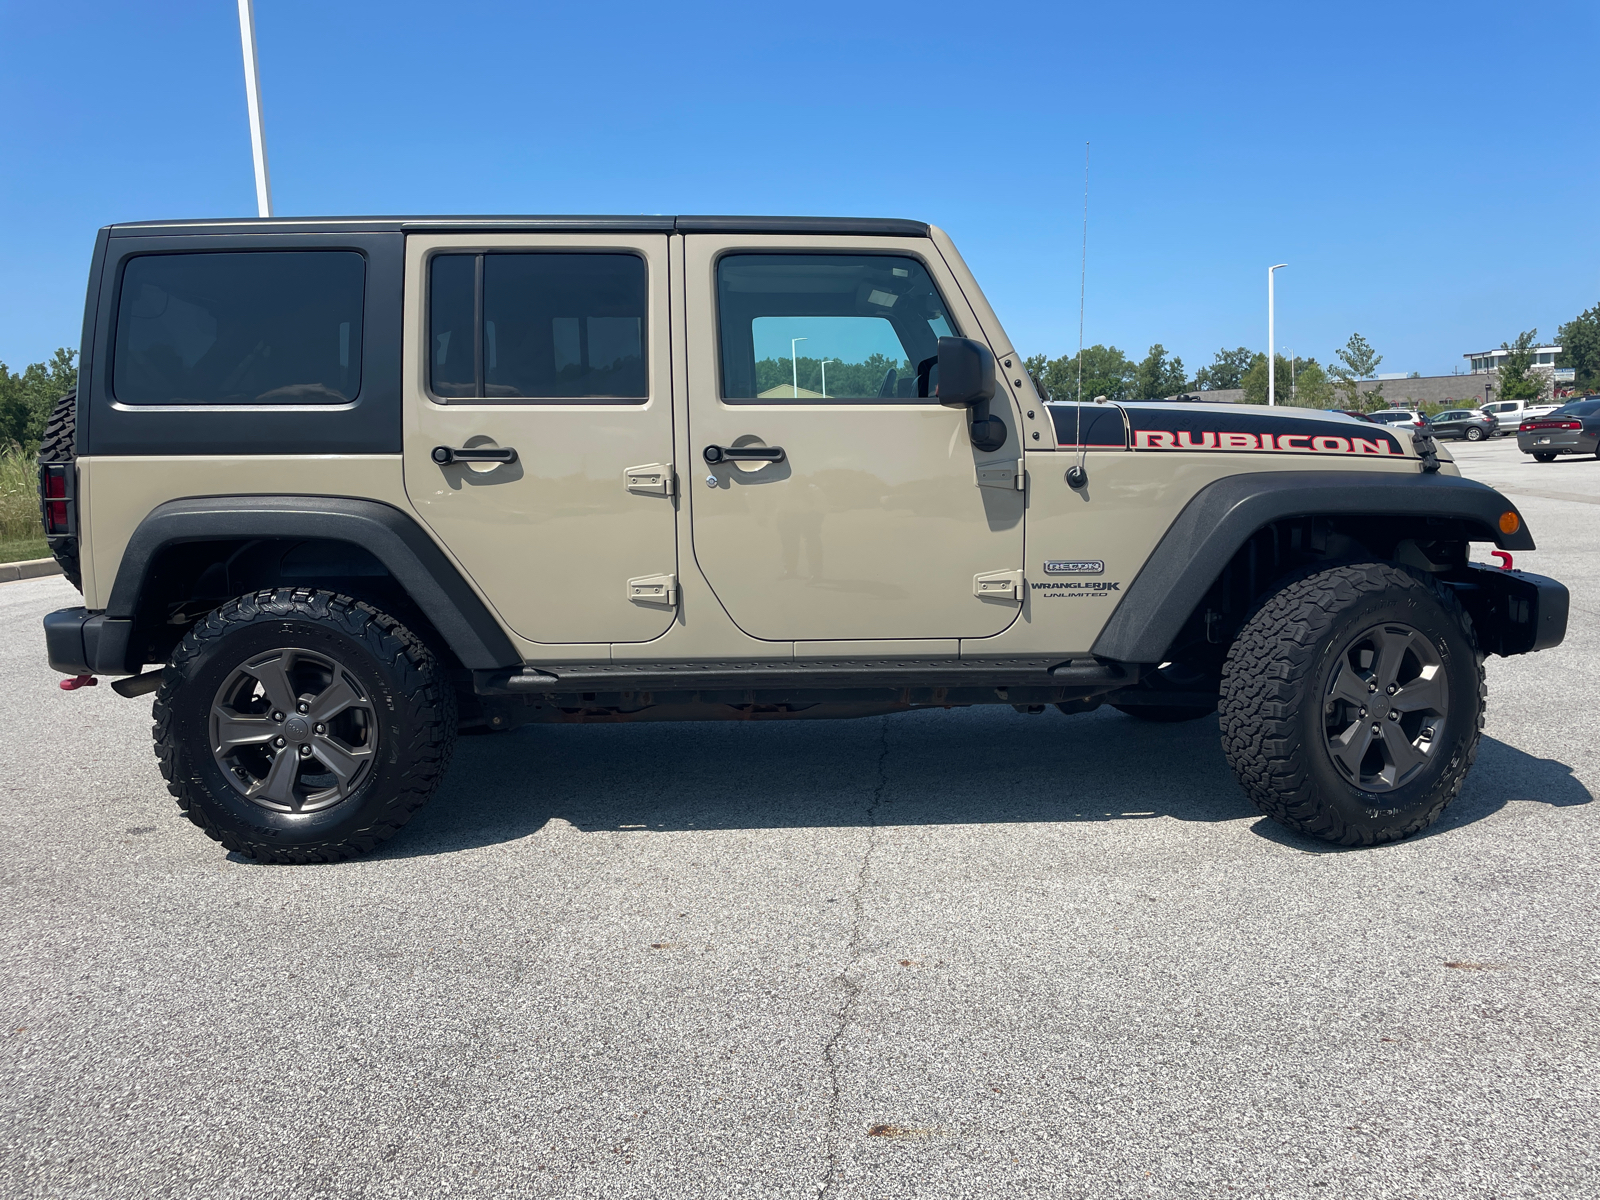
(396, 540)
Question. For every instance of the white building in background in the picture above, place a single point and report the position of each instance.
(1544, 359)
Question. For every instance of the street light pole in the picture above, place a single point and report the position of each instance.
(794, 363)
(825, 363)
(1272, 364)
(252, 95)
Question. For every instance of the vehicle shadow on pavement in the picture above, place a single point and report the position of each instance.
(1502, 775)
(977, 766)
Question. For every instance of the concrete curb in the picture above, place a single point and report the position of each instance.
(33, 568)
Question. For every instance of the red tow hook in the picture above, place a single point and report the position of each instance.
(1503, 556)
(78, 681)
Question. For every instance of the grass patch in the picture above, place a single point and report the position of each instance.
(21, 535)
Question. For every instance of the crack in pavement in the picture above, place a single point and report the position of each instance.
(852, 988)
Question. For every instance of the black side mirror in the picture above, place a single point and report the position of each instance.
(966, 372)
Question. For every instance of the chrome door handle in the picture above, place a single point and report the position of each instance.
(445, 455)
(717, 454)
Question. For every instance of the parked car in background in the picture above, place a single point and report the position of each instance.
(1574, 428)
(1400, 416)
(1350, 412)
(1469, 423)
(1510, 414)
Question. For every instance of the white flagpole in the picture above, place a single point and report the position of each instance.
(252, 92)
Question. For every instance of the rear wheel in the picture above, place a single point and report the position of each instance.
(299, 726)
(1474, 434)
(1352, 703)
(1544, 456)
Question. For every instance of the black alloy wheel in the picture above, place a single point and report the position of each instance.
(293, 731)
(1386, 707)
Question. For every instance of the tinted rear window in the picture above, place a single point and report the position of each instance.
(260, 327)
(538, 326)
(1580, 408)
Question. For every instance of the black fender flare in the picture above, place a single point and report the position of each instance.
(1223, 515)
(392, 537)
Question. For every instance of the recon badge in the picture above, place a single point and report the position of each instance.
(1074, 566)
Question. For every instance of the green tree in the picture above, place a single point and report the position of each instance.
(1517, 379)
(1106, 372)
(1157, 378)
(1357, 361)
(27, 397)
(1254, 382)
(1226, 370)
(1580, 348)
(1312, 388)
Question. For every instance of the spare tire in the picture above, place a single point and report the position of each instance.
(59, 445)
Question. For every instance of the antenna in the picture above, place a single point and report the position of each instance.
(1077, 477)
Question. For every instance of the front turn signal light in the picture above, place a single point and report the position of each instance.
(1510, 522)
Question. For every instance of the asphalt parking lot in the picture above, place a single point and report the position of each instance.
(972, 953)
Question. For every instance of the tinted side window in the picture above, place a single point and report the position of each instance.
(538, 326)
(834, 327)
(260, 327)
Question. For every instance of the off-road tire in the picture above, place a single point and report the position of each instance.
(1272, 713)
(59, 445)
(416, 723)
(1543, 456)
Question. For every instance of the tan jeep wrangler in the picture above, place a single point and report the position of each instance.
(353, 485)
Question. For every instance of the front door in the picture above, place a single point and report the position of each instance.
(881, 517)
(550, 351)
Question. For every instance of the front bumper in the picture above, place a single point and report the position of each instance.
(1557, 441)
(80, 642)
(1513, 612)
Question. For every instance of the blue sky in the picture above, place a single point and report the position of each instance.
(1429, 171)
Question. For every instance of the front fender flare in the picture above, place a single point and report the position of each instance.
(1222, 516)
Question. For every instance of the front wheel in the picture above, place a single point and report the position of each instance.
(296, 725)
(1474, 434)
(1352, 703)
(1543, 456)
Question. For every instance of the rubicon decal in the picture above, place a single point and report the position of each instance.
(1253, 430)
(1292, 443)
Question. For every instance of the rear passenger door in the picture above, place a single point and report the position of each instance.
(550, 350)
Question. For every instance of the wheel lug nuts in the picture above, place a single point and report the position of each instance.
(1391, 689)
(302, 707)
(322, 729)
(1377, 728)
(305, 751)
(1363, 712)
(277, 741)
(277, 716)
(1393, 715)
(1372, 687)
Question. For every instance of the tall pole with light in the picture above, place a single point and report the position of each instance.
(825, 363)
(1272, 364)
(794, 363)
(252, 95)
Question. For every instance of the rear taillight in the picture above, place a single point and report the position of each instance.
(55, 484)
(1572, 424)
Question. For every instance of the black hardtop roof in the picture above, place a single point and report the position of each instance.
(873, 226)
